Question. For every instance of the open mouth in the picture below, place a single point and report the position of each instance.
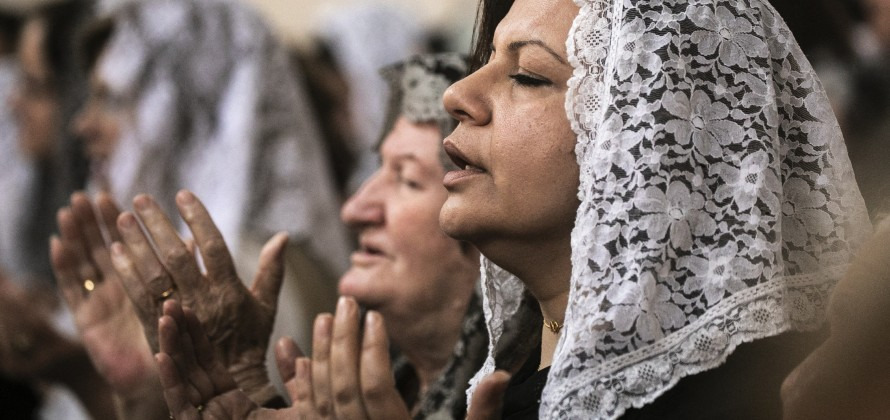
(459, 159)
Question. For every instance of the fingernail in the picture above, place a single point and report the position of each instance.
(187, 197)
(322, 325)
(127, 220)
(372, 320)
(140, 202)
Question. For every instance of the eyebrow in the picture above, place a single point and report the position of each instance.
(517, 45)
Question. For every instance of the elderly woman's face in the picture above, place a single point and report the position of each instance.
(404, 261)
(515, 147)
(35, 102)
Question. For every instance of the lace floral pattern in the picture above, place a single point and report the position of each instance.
(718, 204)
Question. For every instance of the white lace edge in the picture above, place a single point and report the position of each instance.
(776, 294)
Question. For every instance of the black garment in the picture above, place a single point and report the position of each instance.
(18, 401)
(746, 387)
(523, 395)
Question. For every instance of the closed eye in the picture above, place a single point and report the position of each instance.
(530, 81)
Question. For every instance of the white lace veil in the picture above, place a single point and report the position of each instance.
(215, 108)
(718, 204)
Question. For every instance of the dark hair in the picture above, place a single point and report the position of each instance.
(488, 15)
(10, 26)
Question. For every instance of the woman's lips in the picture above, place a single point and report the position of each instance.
(453, 177)
(467, 168)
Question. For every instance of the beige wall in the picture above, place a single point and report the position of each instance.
(296, 19)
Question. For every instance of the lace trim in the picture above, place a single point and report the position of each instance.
(702, 345)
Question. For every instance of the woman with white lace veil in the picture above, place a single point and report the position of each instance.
(200, 95)
(717, 203)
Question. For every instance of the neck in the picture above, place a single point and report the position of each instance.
(545, 267)
(428, 341)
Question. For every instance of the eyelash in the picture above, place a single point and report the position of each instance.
(529, 81)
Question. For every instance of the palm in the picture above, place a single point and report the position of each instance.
(112, 335)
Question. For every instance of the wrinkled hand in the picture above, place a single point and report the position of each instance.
(349, 376)
(196, 384)
(109, 328)
(238, 321)
(488, 400)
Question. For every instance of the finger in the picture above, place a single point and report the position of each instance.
(75, 243)
(205, 354)
(286, 351)
(267, 282)
(488, 400)
(381, 399)
(321, 352)
(301, 389)
(174, 254)
(175, 389)
(143, 299)
(345, 342)
(210, 242)
(109, 212)
(86, 220)
(63, 261)
(151, 271)
(172, 343)
(95, 244)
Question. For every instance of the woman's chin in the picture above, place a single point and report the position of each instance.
(457, 221)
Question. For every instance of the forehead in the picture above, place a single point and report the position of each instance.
(546, 20)
(411, 139)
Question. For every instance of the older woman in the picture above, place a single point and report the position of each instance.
(717, 204)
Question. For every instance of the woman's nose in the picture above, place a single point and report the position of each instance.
(365, 207)
(467, 100)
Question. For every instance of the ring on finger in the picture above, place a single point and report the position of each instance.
(166, 293)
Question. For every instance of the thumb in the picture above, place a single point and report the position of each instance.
(488, 400)
(270, 274)
(286, 351)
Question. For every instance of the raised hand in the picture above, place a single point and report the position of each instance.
(155, 265)
(109, 328)
(196, 384)
(350, 372)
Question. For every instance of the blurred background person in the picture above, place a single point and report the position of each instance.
(200, 95)
(43, 164)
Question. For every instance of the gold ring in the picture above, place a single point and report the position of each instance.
(200, 408)
(167, 293)
(89, 285)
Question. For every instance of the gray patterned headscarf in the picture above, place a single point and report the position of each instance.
(213, 106)
(416, 88)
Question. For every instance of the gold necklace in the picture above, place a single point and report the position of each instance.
(554, 326)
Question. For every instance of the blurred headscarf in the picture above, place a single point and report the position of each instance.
(362, 40)
(718, 205)
(214, 108)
